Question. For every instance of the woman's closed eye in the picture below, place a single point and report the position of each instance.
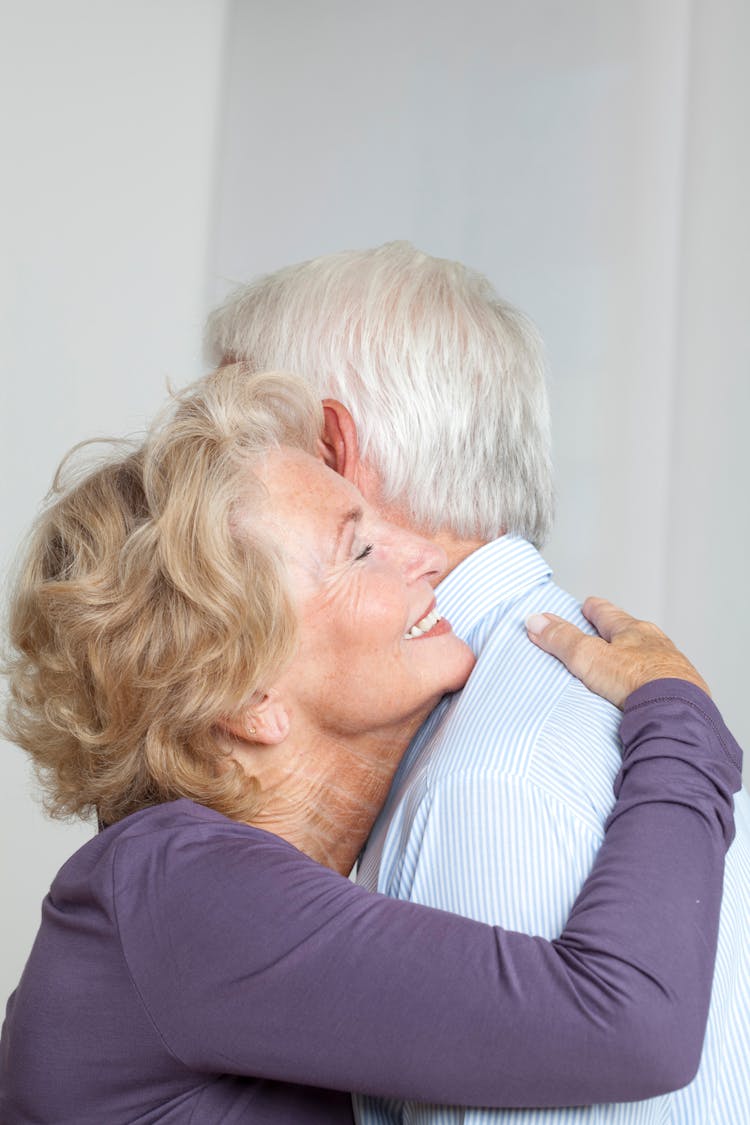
(364, 553)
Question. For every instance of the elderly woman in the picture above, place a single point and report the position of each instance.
(220, 650)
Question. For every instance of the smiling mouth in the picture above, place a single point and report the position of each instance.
(424, 626)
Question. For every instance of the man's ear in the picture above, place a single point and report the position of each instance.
(265, 723)
(339, 444)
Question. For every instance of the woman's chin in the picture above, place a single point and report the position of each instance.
(462, 661)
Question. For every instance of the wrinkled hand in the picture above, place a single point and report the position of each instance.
(626, 655)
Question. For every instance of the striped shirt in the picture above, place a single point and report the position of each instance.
(497, 812)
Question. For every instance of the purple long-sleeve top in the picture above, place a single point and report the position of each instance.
(189, 968)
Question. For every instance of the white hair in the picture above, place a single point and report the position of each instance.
(444, 381)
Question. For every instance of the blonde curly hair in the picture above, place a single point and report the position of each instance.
(144, 612)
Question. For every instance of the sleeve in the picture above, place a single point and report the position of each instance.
(260, 962)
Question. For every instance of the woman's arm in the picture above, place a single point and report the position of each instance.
(252, 959)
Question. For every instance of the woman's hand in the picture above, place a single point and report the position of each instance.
(626, 655)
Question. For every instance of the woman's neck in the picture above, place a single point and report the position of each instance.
(323, 796)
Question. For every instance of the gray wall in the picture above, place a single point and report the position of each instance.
(591, 157)
(109, 114)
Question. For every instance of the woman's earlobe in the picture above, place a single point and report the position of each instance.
(271, 720)
(264, 723)
(239, 727)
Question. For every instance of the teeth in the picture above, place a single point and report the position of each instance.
(424, 625)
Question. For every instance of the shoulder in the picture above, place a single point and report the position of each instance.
(522, 718)
(519, 702)
(163, 852)
(192, 871)
(182, 838)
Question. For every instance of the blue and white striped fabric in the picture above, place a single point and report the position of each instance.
(497, 813)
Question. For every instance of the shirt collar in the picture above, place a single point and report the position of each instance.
(495, 573)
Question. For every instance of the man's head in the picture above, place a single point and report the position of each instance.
(445, 418)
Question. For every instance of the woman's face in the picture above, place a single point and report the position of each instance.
(371, 655)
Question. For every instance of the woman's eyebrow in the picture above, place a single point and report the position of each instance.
(353, 515)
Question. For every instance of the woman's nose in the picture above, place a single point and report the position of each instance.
(425, 559)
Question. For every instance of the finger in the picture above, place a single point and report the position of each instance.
(607, 619)
(560, 638)
(637, 654)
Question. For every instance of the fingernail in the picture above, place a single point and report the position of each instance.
(537, 623)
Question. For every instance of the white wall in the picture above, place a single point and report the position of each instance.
(589, 156)
(109, 114)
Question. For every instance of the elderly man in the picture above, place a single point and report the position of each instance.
(436, 408)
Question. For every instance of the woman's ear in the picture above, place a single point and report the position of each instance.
(339, 443)
(265, 723)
